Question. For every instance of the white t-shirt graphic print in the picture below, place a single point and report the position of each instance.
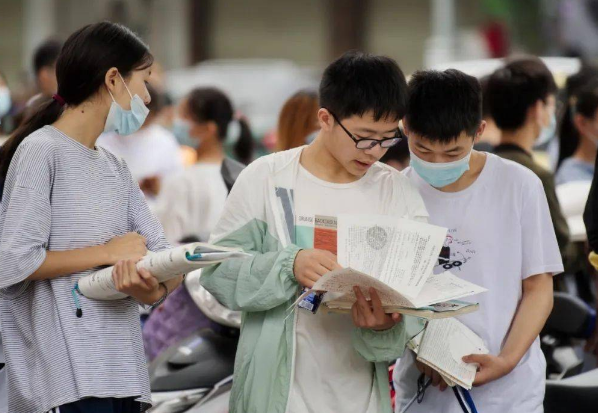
(500, 233)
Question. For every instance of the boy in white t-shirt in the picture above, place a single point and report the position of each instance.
(500, 237)
(283, 210)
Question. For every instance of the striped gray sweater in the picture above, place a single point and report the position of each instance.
(60, 195)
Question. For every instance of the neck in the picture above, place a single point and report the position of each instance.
(586, 150)
(83, 123)
(210, 152)
(524, 137)
(318, 160)
(476, 165)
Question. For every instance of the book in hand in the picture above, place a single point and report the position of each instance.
(442, 346)
(438, 299)
(397, 258)
(163, 265)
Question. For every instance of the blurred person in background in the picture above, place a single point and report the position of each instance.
(5, 106)
(521, 98)
(298, 121)
(490, 138)
(152, 153)
(579, 128)
(189, 204)
(397, 156)
(44, 66)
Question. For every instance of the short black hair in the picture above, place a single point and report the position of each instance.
(357, 83)
(46, 54)
(442, 105)
(516, 87)
(485, 104)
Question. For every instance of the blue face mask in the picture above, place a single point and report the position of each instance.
(5, 101)
(181, 130)
(440, 175)
(126, 122)
(547, 132)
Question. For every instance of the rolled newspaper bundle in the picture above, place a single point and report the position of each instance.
(163, 265)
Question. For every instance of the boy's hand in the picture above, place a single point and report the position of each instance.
(310, 265)
(437, 379)
(370, 314)
(490, 367)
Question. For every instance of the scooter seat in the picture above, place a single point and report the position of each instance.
(198, 361)
(577, 394)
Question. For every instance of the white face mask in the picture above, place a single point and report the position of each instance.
(126, 122)
(5, 102)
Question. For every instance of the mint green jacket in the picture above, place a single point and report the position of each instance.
(259, 217)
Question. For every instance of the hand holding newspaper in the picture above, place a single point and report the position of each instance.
(163, 265)
(397, 258)
(442, 346)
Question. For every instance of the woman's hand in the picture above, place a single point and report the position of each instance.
(139, 284)
(130, 246)
(370, 314)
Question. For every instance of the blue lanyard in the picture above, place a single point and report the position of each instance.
(465, 400)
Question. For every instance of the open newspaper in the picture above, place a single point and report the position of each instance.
(163, 265)
(397, 258)
(442, 346)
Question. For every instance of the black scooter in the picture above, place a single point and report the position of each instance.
(568, 390)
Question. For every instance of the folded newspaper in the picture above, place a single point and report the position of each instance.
(442, 346)
(163, 265)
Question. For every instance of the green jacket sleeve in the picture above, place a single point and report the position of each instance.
(265, 280)
(388, 345)
(259, 283)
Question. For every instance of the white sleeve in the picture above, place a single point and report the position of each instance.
(171, 208)
(540, 250)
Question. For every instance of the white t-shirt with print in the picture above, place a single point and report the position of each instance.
(329, 375)
(500, 233)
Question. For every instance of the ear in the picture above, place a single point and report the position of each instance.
(211, 128)
(406, 126)
(325, 119)
(579, 121)
(480, 132)
(111, 78)
(536, 112)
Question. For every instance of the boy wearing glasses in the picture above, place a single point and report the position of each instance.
(500, 237)
(283, 209)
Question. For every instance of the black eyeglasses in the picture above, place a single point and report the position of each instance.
(361, 143)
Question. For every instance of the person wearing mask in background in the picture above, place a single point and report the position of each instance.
(152, 153)
(69, 207)
(579, 128)
(190, 202)
(5, 106)
(316, 362)
(298, 120)
(498, 218)
(521, 97)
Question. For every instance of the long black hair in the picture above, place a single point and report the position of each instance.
(80, 71)
(210, 104)
(581, 95)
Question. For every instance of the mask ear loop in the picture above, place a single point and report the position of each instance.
(124, 83)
